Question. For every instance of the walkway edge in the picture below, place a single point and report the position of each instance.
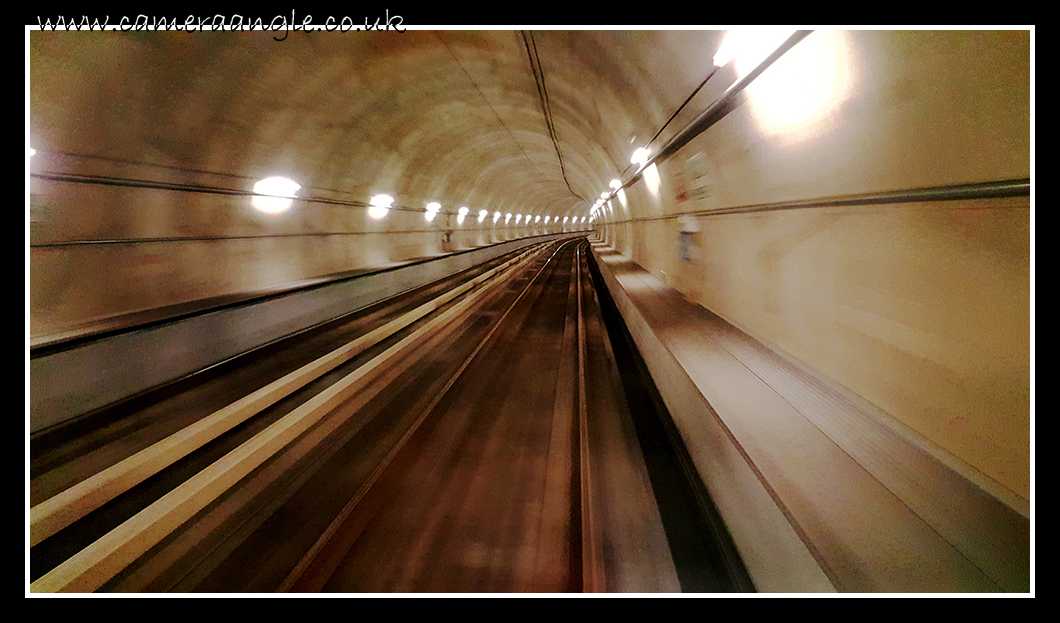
(864, 507)
(775, 555)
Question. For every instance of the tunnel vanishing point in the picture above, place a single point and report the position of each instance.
(820, 243)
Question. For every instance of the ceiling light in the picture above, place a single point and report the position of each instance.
(379, 206)
(271, 193)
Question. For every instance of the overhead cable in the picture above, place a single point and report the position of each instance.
(542, 94)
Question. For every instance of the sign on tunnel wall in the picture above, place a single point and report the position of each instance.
(694, 183)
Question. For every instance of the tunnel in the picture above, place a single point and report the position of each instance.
(736, 310)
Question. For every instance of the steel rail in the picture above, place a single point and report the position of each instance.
(96, 564)
(319, 568)
(63, 509)
(593, 579)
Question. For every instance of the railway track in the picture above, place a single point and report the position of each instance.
(470, 437)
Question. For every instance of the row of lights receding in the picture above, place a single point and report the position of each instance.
(747, 47)
(640, 157)
(275, 194)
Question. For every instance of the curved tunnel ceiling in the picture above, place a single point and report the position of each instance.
(452, 117)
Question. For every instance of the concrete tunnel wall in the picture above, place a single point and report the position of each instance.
(921, 308)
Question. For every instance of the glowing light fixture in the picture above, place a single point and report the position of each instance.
(507, 217)
(802, 85)
(496, 215)
(537, 218)
(747, 47)
(379, 206)
(615, 184)
(271, 192)
(432, 209)
(640, 156)
(482, 214)
(461, 214)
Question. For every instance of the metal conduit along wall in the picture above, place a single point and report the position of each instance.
(883, 242)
